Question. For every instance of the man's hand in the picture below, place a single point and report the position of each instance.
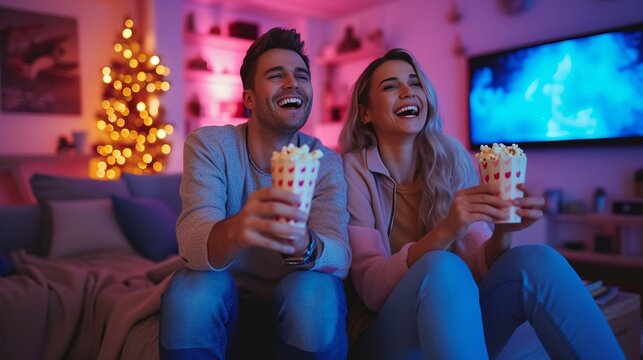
(256, 224)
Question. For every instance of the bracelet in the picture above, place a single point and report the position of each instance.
(309, 255)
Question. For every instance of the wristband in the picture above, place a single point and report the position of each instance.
(306, 258)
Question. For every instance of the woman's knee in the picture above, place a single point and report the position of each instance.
(443, 272)
(535, 257)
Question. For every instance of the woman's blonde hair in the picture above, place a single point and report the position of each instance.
(442, 162)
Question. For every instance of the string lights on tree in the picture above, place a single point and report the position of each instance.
(131, 117)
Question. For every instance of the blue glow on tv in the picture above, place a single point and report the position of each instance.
(586, 89)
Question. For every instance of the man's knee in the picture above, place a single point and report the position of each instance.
(311, 310)
(193, 294)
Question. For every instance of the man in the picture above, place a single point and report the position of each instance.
(244, 283)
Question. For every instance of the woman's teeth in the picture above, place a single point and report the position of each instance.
(407, 111)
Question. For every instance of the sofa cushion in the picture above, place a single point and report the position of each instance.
(163, 187)
(85, 226)
(19, 228)
(47, 188)
(149, 224)
(7, 266)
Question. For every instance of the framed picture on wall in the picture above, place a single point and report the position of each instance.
(39, 68)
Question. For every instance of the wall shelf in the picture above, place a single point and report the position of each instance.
(365, 53)
(618, 237)
(213, 77)
(598, 219)
(217, 41)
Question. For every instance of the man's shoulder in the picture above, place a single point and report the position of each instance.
(218, 133)
(313, 143)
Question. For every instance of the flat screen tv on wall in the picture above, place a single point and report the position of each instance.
(580, 90)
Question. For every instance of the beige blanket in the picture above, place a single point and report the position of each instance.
(77, 308)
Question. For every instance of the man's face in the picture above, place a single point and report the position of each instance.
(282, 96)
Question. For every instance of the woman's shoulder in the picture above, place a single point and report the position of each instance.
(354, 160)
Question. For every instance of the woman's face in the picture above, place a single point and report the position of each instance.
(397, 104)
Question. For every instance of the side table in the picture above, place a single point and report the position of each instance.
(623, 313)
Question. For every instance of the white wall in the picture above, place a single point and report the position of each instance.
(422, 27)
(99, 22)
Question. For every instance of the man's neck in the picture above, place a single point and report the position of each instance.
(262, 142)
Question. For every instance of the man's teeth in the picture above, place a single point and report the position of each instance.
(407, 111)
(290, 102)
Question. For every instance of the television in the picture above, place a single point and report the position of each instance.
(586, 89)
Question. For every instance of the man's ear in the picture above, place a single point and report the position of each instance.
(249, 99)
(364, 114)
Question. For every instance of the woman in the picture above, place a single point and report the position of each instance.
(444, 285)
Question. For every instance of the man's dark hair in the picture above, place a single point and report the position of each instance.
(275, 38)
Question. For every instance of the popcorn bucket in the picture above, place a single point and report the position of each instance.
(299, 177)
(506, 173)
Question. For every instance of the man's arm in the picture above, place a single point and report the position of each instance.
(328, 219)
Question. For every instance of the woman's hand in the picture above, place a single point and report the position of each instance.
(478, 203)
(529, 208)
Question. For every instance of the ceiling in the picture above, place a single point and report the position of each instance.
(317, 8)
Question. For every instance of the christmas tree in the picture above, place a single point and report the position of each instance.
(131, 117)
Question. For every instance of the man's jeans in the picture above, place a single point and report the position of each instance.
(438, 312)
(203, 318)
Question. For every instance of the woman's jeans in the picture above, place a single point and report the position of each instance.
(202, 317)
(438, 312)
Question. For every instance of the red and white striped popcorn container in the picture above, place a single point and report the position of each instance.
(295, 169)
(505, 171)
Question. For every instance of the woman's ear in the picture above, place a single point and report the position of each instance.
(364, 114)
(249, 99)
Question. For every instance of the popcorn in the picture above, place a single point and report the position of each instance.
(295, 169)
(297, 153)
(505, 167)
(498, 151)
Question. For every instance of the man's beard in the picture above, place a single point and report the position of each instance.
(269, 114)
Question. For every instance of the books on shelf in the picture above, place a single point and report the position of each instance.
(600, 292)
(609, 294)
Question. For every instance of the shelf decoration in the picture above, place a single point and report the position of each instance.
(131, 115)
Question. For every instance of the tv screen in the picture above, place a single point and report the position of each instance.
(586, 89)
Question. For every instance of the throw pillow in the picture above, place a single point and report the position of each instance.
(163, 187)
(82, 226)
(149, 224)
(47, 188)
(7, 267)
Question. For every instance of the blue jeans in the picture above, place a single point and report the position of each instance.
(438, 312)
(202, 317)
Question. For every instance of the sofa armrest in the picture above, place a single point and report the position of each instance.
(20, 228)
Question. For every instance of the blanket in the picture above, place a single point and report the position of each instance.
(77, 308)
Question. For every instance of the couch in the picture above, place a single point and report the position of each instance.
(82, 271)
